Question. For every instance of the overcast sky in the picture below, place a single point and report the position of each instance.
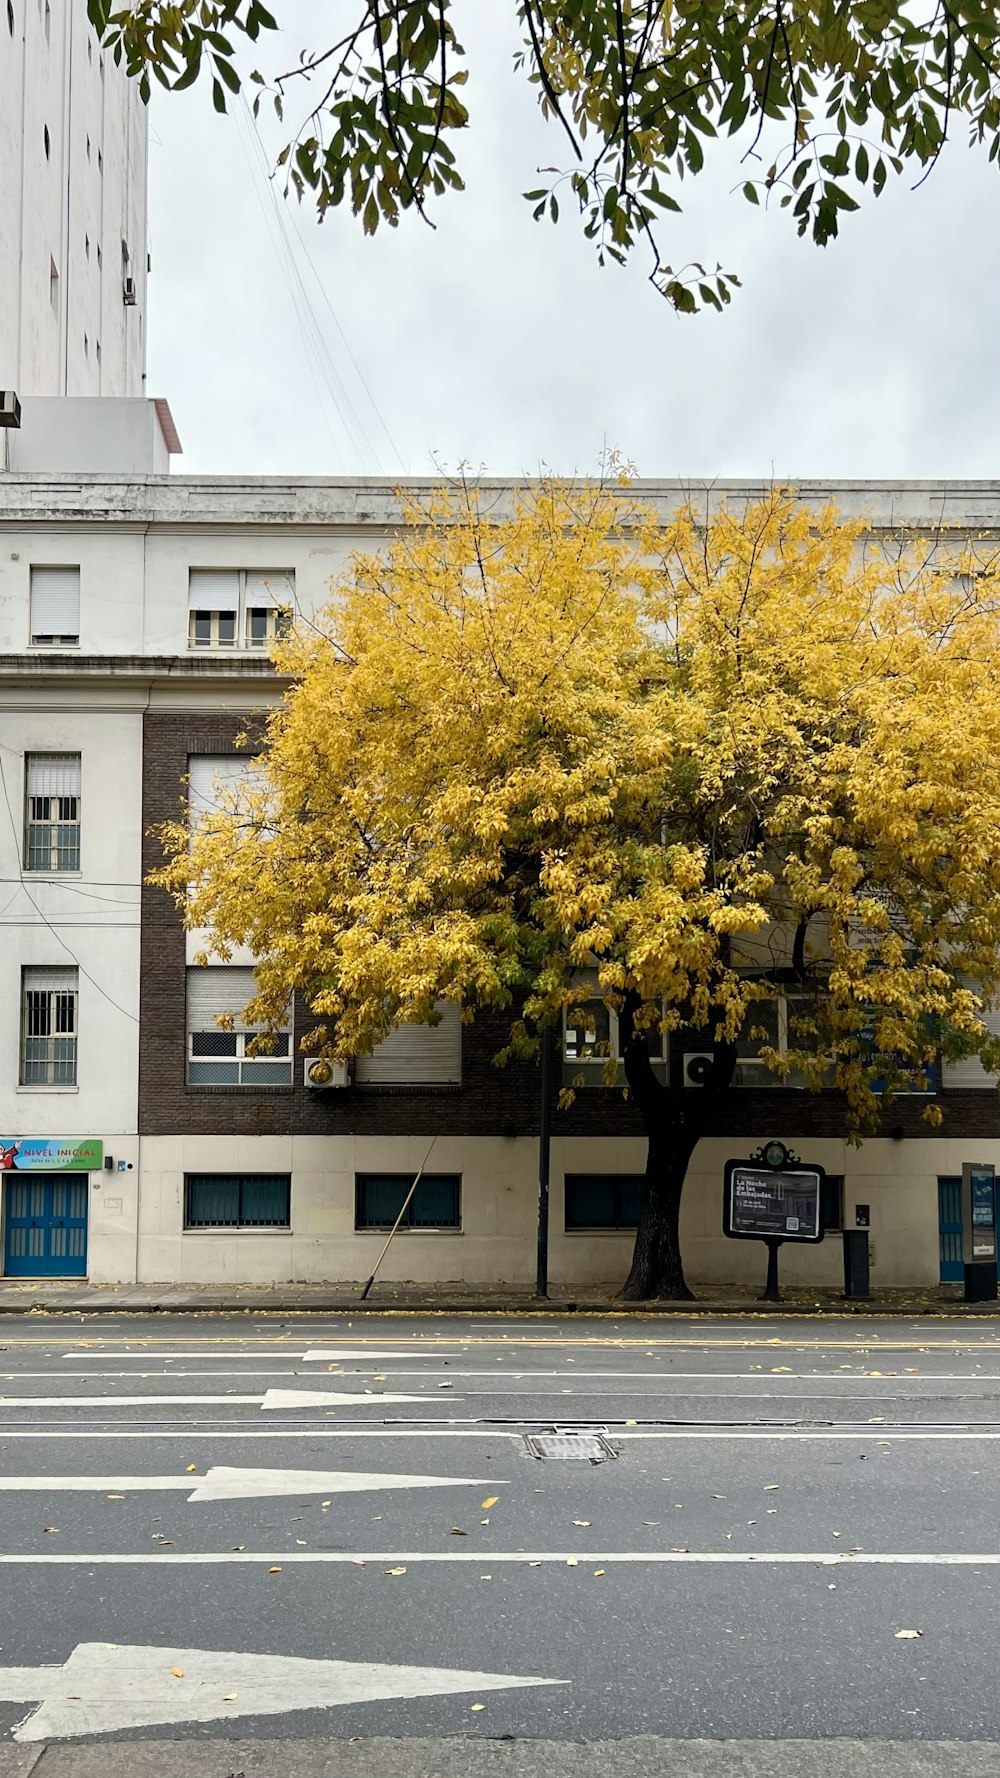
(499, 341)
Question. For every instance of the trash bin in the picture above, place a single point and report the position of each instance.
(856, 1263)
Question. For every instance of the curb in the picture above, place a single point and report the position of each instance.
(536, 1307)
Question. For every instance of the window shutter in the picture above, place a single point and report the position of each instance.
(58, 981)
(416, 1055)
(270, 586)
(969, 1072)
(55, 602)
(213, 589)
(210, 772)
(213, 991)
(53, 774)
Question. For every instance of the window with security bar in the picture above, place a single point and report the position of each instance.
(52, 812)
(238, 607)
(220, 1057)
(237, 1201)
(48, 1027)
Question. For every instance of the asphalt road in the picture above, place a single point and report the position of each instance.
(225, 1548)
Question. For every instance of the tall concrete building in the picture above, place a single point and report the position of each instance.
(73, 134)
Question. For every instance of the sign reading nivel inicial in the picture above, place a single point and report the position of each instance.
(762, 1203)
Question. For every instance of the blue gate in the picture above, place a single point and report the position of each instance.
(45, 1227)
(950, 1228)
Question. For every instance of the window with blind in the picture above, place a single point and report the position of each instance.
(222, 1058)
(237, 1201)
(436, 1203)
(48, 1027)
(603, 1200)
(52, 811)
(212, 776)
(55, 607)
(234, 607)
(415, 1055)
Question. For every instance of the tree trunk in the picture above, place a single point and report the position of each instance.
(674, 1119)
(657, 1266)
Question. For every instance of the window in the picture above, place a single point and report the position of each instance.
(588, 1043)
(776, 1018)
(417, 1055)
(52, 811)
(237, 1201)
(212, 776)
(48, 1027)
(832, 1204)
(436, 1203)
(55, 607)
(218, 1058)
(219, 597)
(603, 1200)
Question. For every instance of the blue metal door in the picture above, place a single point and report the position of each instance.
(45, 1227)
(950, 1229)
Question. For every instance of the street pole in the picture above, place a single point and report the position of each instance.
(544, 1150)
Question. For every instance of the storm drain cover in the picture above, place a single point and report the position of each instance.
(588, 1445)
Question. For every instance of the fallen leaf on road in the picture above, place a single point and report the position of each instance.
(491, 1500)
(395, 1571)
(581, 1521)
(598, 1572)
(769, 1487)
(780, 1367)
(50, 1528)
(456, 1531)
(718, 1497)
(631, 1423)
(451, 1386)
(477, 1706)
(324, 1504)
(191, 1468)
(178, 1672)
(534, 1564)
(302, 1541)
(831, 1586)
(907, 1635)
(274, 1571)
(571, 1562)
(238, 1546)
(114, 1497)
(771, 1510)
(486, 1577)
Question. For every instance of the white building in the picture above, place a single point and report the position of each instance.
(73, 259)
(134, 615)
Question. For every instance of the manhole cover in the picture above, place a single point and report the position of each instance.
(588, 1445)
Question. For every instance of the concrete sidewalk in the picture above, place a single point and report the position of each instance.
(71, 1296)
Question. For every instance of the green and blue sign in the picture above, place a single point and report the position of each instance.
(50, 1154)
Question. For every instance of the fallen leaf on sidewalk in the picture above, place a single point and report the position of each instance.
(178, 1672)
(229, 1697)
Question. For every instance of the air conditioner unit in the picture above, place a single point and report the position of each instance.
(128, 292)
(324, 1076)
(10, 408)
(696, 1067)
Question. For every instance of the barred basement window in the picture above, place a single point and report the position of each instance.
(219, 1058)
(237, 1200)
(52, 811)
(48, 1027)
(603, 1200)
(436, 1203)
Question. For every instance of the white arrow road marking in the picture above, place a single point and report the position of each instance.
(273, 1398)
(322, 1398)
(102, 1688)
(223, 1483)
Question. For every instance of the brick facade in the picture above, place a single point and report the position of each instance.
(491, 1101)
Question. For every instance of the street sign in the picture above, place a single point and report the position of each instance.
(765, 1203)
(103, 1687)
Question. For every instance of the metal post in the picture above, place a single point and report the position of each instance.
(544, 1151)
(771, 1292)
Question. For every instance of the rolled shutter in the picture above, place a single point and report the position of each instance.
(53, 774)
(418, 1054)
(270, 586)
(55, 602)
(969, 1072)
(213, 991)
(213, 589)
(50, 981)
(210, 773)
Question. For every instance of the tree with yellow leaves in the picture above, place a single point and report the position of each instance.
(570, 741)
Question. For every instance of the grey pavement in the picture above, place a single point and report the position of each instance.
(722, 1596)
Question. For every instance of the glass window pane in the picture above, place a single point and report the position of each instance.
(227, 628)
(264, 1072)
(212, 1201)
(590, 1201)
(590, 1040)
(257, 627)
(630, 1189)
(214, 1074)
(264, 1201)
(200, 631)
(435, 1203)
(214, 1043)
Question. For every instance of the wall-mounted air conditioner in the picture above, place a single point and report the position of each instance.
(324, 1076)
(128, 292)
(696, 1068)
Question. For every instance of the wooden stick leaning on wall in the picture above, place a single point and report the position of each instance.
(407, 1201)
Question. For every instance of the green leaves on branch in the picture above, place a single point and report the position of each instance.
(828, 95)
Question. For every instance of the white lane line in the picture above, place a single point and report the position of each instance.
(244, 1430)
(221, 1483)
(283, 1398)
(573, 1558)
(102, 1687)
(659, 1378)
